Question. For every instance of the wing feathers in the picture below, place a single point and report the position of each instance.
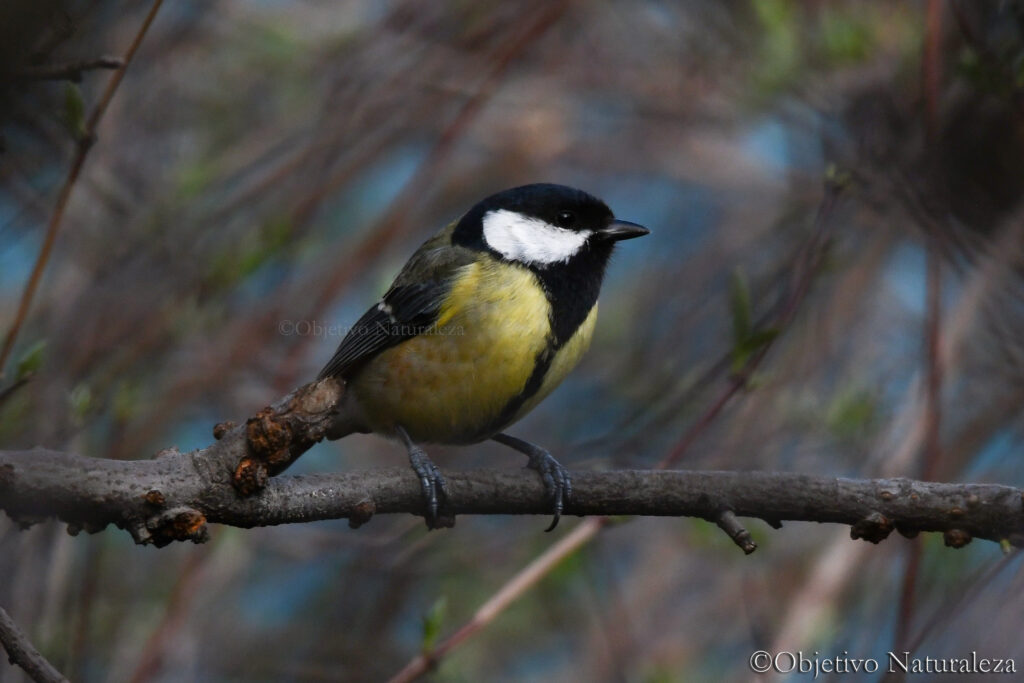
(404, 312)
(410, 307)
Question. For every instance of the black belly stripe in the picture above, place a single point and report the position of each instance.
(541, 364)
(571, 290)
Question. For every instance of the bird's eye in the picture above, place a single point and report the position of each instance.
(565, 219)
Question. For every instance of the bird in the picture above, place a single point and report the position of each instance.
(485, 319)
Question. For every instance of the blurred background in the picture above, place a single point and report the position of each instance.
(266, 167)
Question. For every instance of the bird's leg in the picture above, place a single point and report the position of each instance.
(556, 479)
(435, 488)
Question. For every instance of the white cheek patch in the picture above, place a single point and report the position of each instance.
(530, 240)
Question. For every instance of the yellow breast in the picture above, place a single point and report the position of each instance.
(451, 384)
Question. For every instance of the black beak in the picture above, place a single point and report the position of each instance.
(617, 231)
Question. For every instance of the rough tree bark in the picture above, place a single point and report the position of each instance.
(175, 495)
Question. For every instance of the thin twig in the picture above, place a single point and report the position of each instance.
(931, 80)
(933, 358)
(523, 581)
(82, 146)
(70, 71)
(931, 447)
(21, 652)
(7, 392)
(957, 600)
(183, 593)
(808, 263)
(728, 522)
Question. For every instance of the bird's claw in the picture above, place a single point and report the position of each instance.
(432, 482)
(557, 483)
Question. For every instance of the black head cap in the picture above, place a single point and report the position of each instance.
(558, 205)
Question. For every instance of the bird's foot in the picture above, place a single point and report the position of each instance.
(435, 488)
(557, 483)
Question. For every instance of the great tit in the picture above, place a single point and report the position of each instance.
(483, 321)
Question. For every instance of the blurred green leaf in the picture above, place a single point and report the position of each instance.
(568, 570)
(276, 233)
(998, 74)
(779, 55)
(740, 355)
(224, 270)
(30, 361)
(851, 413)
(703, 534)
(834, 175)
(761, 338)
(81, 401)
(619, 519)
(253, 256)
(277, 44)
(660, 675)
(126, 400)
(756, 380)
(775, 15)
(739, 303)
(194, 178)
(746, 340)
(74, 110)
(944, 566)
(432, 622)
(845, 37)
(237, 261)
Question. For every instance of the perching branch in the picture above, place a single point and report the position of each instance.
(175, 495)
(155, 493)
